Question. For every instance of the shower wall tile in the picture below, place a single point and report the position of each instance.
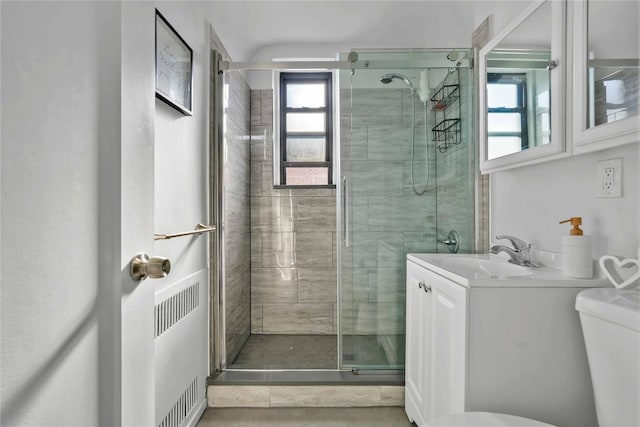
(375, 318)
(266, 107)
(236, 168)
(377, 177)
(315, 214)
(420, 242)
(401, 213)
(317, 285)
(256, 249)
(389, 142)
(256, 318)
(313, 249)
(420, 176)
(360, 213)
(372, 249)
(358, 143)
(345, 103)
(261, 143)
(275, 285)
(237, 313)
(270, 214)
(237, 213)
(237, 255)
(256, 108)
(279, 250)
(387, 285)
(292, 240)
(315, 318)
(266, 182)
(377, 107)
(407, 109)
(355, 285)
(256, 179)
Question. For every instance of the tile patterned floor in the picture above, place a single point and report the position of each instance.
(305, 417)
(287, 352)
(308, 352)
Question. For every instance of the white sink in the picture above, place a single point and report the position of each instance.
(480, 268)
(494, 271)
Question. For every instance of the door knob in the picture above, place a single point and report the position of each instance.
(143, 266)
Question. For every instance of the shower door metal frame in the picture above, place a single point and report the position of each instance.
(216, 206)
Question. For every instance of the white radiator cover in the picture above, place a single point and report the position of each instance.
(180, 316)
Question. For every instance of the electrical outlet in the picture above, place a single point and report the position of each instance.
(610, 178)
(607, 180)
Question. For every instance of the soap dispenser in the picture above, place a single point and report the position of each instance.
(576, 252)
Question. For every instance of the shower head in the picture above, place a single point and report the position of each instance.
(388, 78)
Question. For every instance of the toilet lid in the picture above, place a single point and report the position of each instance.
(484, 419)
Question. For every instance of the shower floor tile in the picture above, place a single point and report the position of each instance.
(308, 352)
(288, 352)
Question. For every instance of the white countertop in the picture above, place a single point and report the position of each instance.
(542, 277)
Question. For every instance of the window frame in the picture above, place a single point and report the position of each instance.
(520, 80)
(288, 77)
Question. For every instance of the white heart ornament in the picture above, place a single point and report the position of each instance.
(610, 269)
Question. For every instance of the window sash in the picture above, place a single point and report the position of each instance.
(326, 134)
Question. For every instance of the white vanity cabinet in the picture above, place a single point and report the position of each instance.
(436, 355)
(510, 348)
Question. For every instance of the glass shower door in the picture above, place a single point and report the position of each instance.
(386, 209)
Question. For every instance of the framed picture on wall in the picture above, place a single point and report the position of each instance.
(174, 67)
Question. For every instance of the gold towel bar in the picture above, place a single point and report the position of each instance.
(200, 228)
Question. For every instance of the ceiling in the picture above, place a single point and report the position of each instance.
(253, 30)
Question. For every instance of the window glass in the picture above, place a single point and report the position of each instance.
(307, 95)
(306, 122)
(311, 149)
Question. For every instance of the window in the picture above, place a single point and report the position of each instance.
(507, 114)
(305, 130)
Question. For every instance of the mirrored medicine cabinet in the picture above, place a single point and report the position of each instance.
(606, 86)
(521, 97)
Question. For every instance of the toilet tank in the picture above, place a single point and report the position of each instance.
(611, 326)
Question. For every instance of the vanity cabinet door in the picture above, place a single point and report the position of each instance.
(436, 345)
(449, 346)
(417, 345)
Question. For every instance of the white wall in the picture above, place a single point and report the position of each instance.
(61, 115)
(529, 202)
(181, 147)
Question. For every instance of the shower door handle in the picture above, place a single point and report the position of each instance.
(345, 212)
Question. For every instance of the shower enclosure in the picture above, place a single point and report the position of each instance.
(405, 178)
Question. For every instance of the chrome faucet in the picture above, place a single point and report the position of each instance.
(519, 254)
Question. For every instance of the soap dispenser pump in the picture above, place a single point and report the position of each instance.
(576, 252)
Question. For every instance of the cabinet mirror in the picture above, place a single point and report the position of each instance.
(521, 81)
(607, 85)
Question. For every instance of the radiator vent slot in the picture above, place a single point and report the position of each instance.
(173, 309)
(183, 406)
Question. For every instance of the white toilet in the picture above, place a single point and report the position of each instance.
(611, 326)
